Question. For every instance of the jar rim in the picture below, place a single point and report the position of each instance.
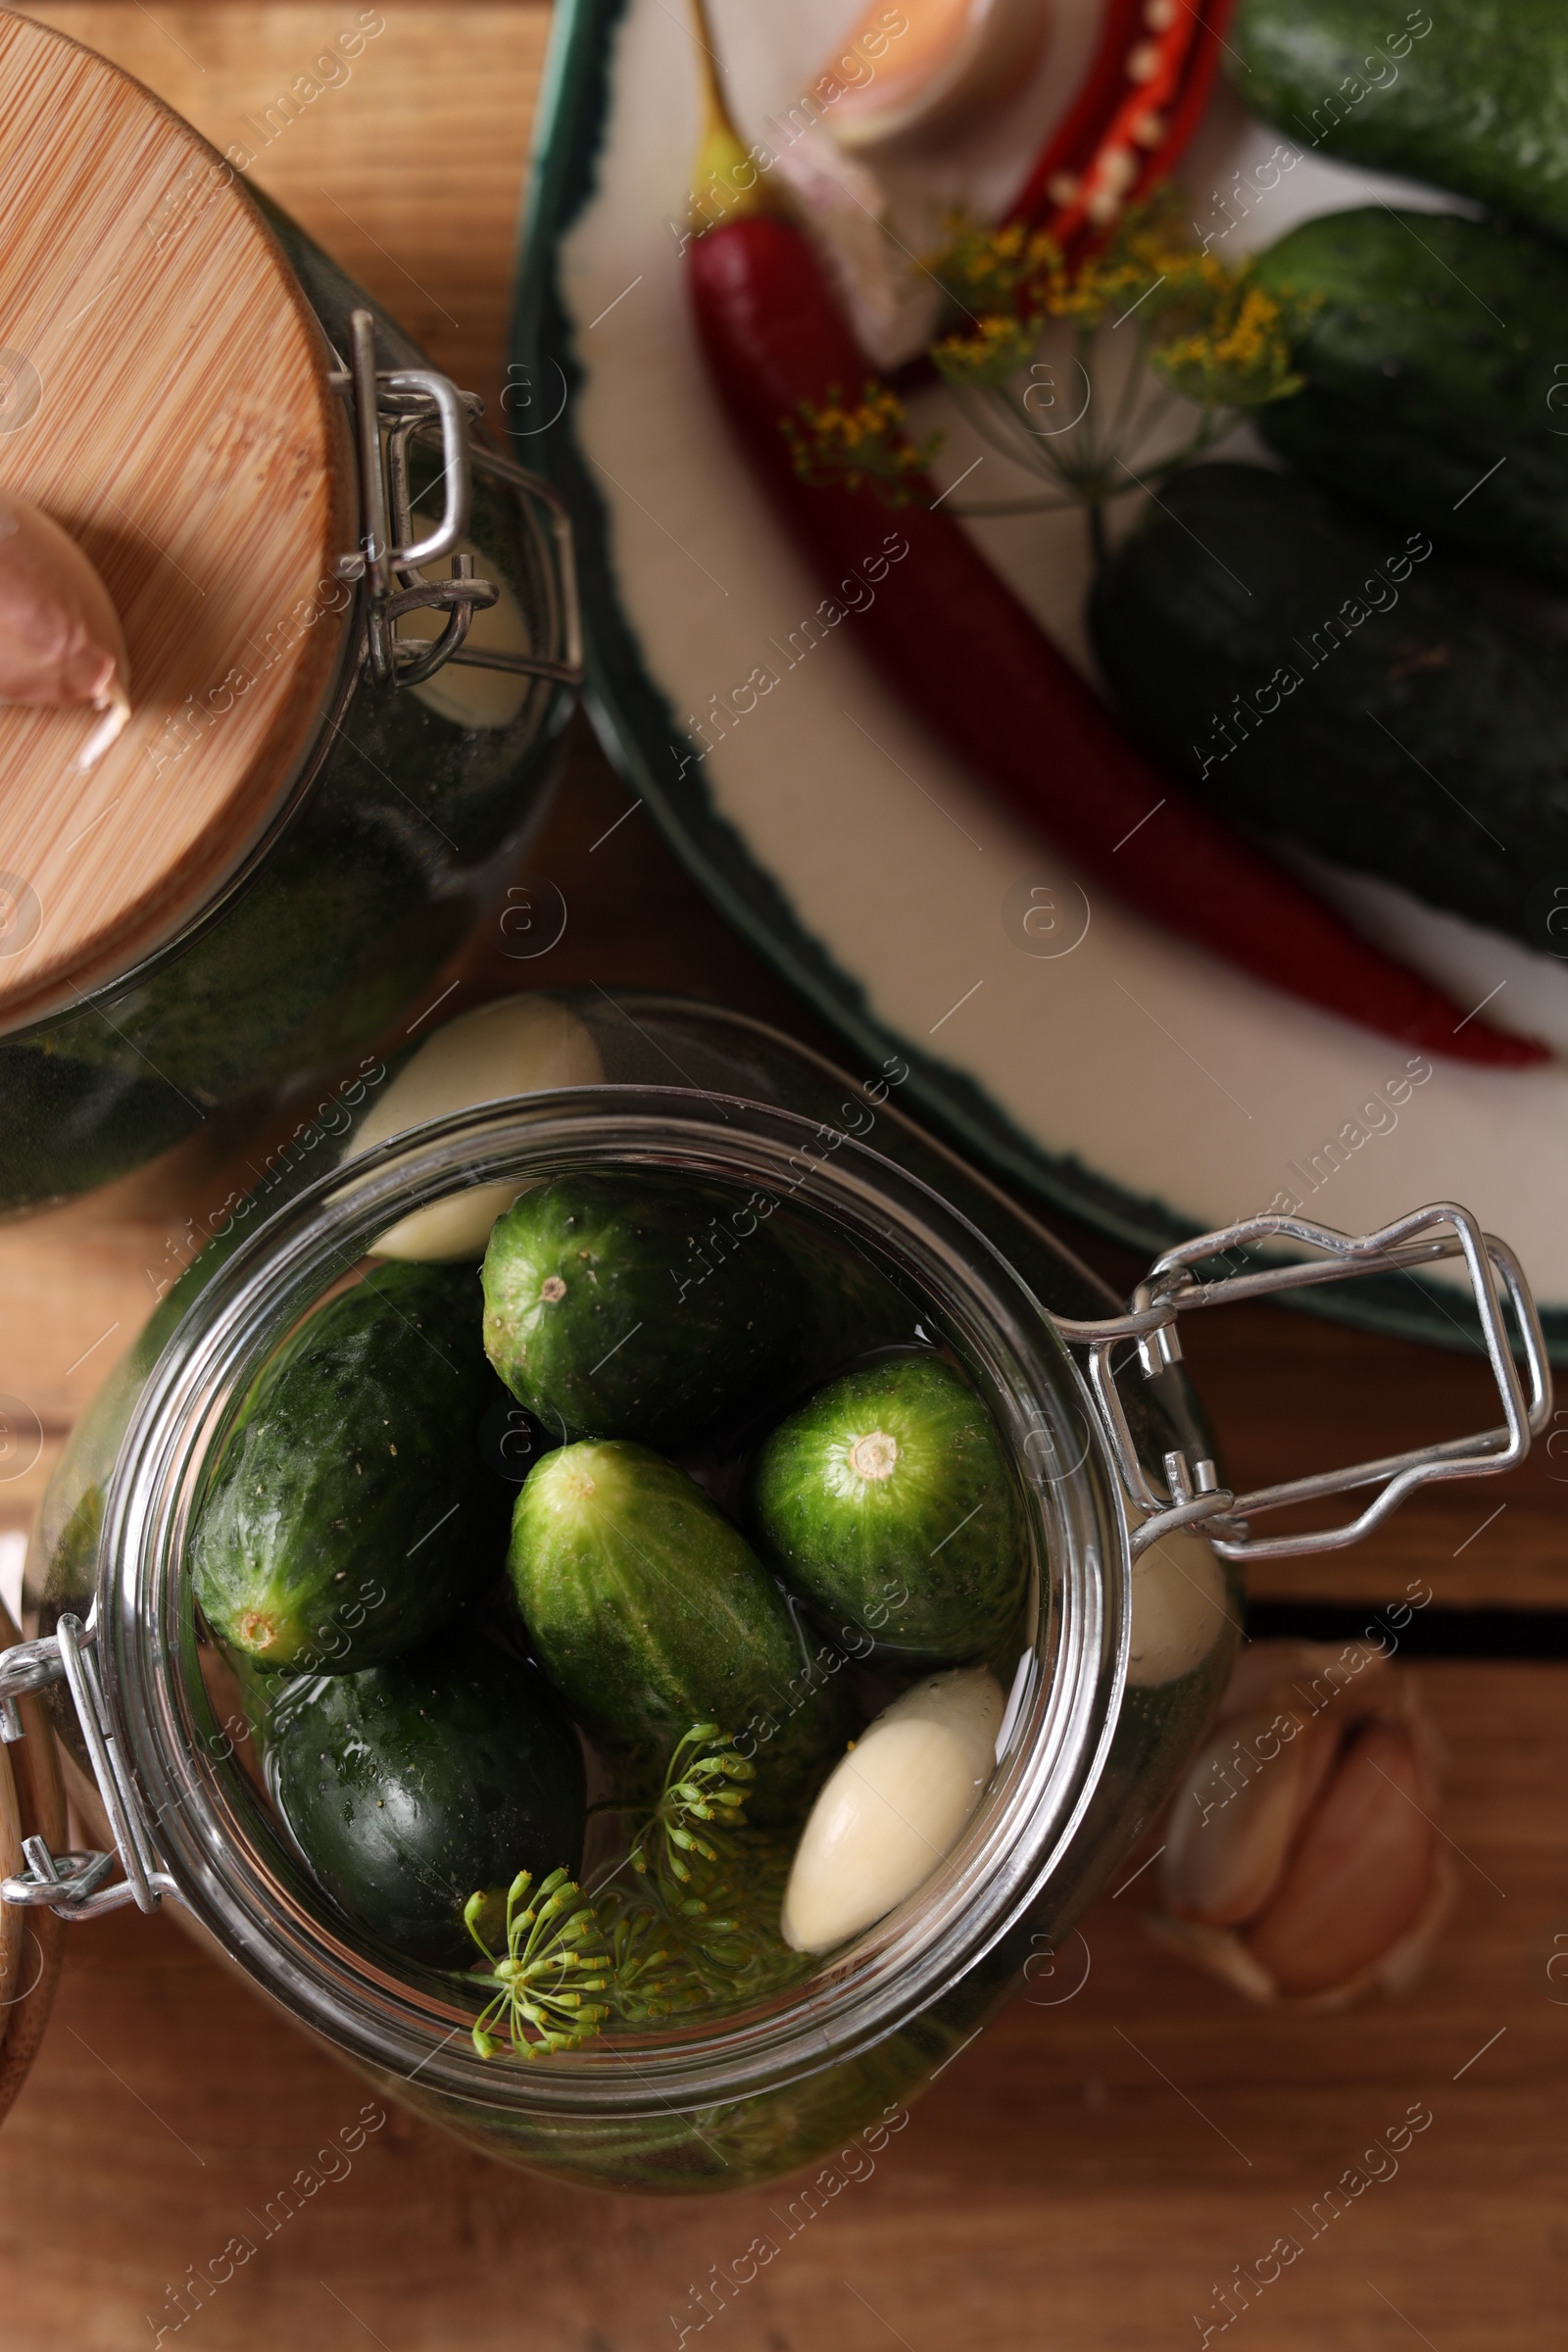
(207, 1821)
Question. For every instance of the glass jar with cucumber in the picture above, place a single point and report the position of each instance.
(639, 1600)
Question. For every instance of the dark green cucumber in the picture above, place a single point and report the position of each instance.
(1473, 98)
(1436, 376)
(353, 1508)
(620, 1304)
(650, 1613)
(408, 1788)
(1317, 676)
(888, 1504)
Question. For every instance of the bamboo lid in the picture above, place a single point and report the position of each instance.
(164, 397)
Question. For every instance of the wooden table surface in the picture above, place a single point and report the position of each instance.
(1092, 2171)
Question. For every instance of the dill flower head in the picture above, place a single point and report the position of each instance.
(848, 445)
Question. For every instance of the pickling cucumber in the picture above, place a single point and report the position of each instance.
(620, 1304)
(650, 1613)
(410, 1787)
(887, 1503)
(1472, 98)
(1331, 681)
(352, 1508)
(1437, 382)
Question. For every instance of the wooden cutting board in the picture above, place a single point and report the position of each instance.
(1081, 2178)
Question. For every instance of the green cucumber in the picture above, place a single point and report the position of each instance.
(888, 1504)
(650, 1613)
(409, 1787)
(1437, 380)
(620, 1304)
(353, 1509)
(1321, 677)
(1472, 98)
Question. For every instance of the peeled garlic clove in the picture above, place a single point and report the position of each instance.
(893, 88)
(1243, 1794)
(894, 1808)
(1181, 1608)
(60, 635)
(515, 1046)
(1360, 1873)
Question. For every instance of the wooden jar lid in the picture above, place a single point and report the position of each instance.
(164, 396)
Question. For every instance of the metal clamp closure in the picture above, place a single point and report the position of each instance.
(72, 1883)
(1172, 1286)
(392, 408)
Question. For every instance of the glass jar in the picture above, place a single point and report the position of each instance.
(342, 854)
(1130, 1627)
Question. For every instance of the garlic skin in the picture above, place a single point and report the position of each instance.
(893, 303)
(894, 1808)
(514, 1046)
(60, 635)
(1301, 1861)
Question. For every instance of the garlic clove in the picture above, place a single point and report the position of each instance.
(894, 1808)
(1359, 1876)
(1180, 1608)
(60, 636)
(949, 58)
(1325, 1877)
(1249, 1788)
(514, 1046)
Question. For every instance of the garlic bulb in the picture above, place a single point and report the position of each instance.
(515, 1046)
(894, 1808)
(60, 635)
(919, 71)
(1301, 1861)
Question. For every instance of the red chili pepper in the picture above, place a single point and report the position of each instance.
(962, 653)
(1140, 104)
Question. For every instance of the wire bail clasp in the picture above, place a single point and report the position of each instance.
(1173, 1287)
(72, 1883)
(392, 409)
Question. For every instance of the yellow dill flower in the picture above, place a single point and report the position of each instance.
(838, 444)
(1238, 358)
(1000, 344)
(987, 270)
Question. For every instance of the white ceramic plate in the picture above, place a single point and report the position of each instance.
(1132, 1079)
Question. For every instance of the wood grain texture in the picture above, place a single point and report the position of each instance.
(409, 168)
(1083, 2177)
(31, 1978)
(184, 435)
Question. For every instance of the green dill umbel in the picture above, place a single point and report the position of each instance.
(688, 1921)
(554, 1963)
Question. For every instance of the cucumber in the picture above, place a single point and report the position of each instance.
(650, 1613)
(1472, 98)
(410, 1787)
(620, 1304)
(1435, 362)
(1324, 679)
(888, 1504)
(353, 1508)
